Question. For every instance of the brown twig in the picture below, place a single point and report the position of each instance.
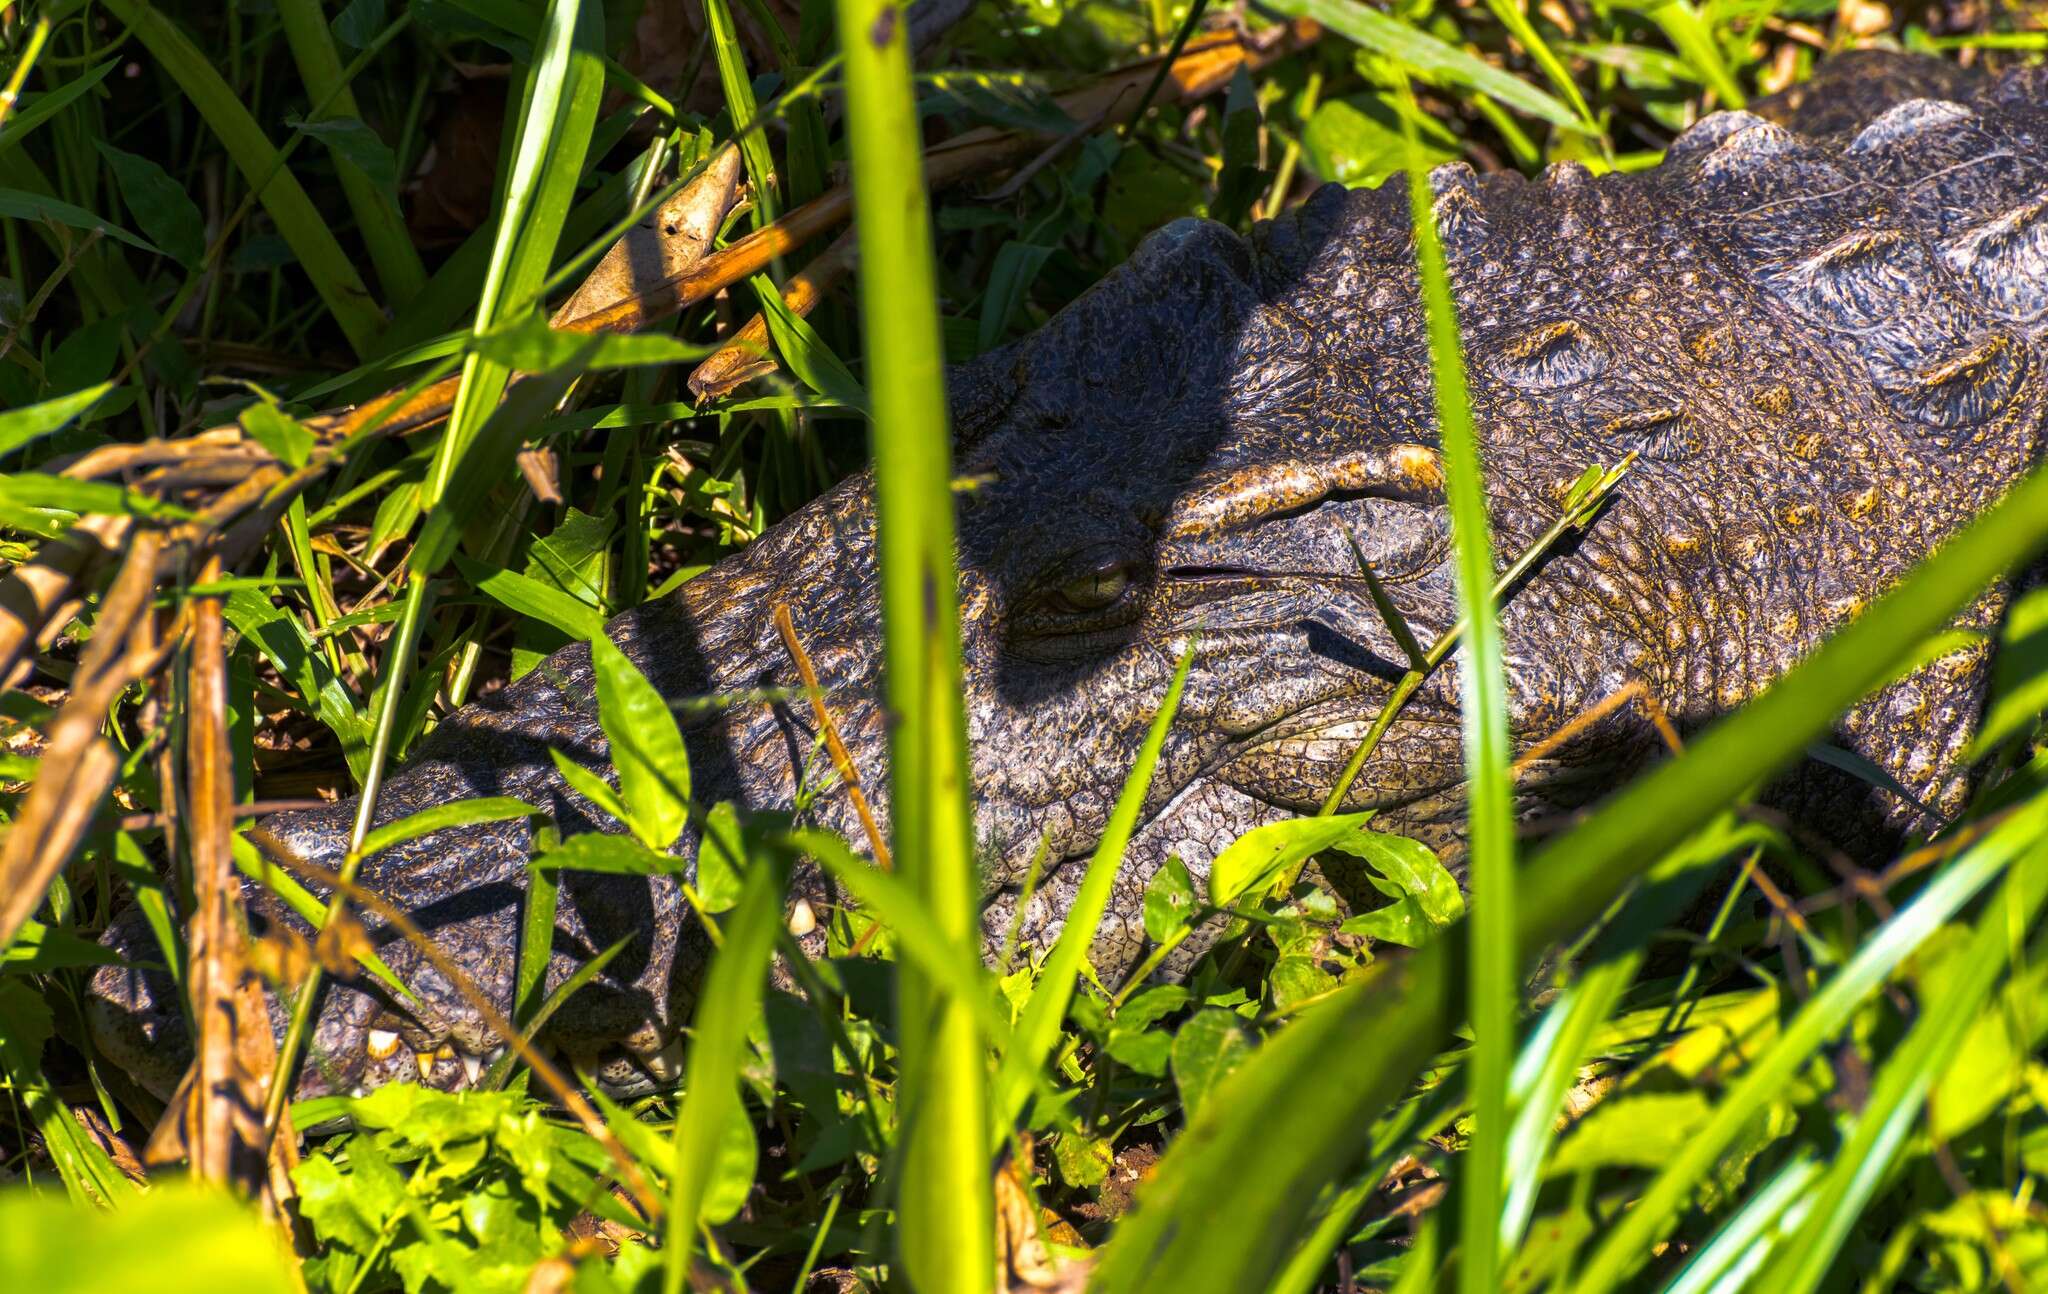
(841, 761)
(745, 355)
(77, 764)
(236, 1057)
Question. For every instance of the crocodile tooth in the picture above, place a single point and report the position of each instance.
(802, 920)
(666, 1065)
(382, 1043)
(472, 1067)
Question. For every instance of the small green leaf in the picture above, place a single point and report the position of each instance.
(1209, 1045)
(591, 786)
(278, 432)
(1169, 901)
(721, 851)
(441, 817)
(530, 597)
(806, 353)
(20, 426)
(527, 344)
(598, 851)
(1257, 857)
(354, 141)
(646, 746)
(1637, 1130)
(1083, 1160)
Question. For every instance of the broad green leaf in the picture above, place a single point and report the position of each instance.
(38, 949)
(179, 1238)
(283, 642)
(530, 597)
(278, 432)
(806, 352)
(646, 746)
(20, 426)
(526, 344)
(1633, 1130)
(720, 858)
(1426, 897)
(352, 139)
(2019, 686)
(159, 204)
(441, 817)
(35, 490)
(1257, 857)
(1207, 1047)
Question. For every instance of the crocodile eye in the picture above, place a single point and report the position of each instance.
(1094, 590)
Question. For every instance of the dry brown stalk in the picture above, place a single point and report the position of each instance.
(745, 355)
(236, 1057)
(841, 761)
(77, 764)
(678, 235)
(36, 590)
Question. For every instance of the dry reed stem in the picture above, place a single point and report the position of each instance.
(841, 760)
(77, 764)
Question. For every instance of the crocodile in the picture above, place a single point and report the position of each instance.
(1820, 326)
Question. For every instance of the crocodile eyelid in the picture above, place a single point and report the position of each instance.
(1407, 471)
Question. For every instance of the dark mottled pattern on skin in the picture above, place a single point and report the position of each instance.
(1823, 334)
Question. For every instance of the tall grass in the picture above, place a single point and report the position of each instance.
(945, 1209)
(1789, 1097)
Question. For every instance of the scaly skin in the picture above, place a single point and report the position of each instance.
(1827, 347)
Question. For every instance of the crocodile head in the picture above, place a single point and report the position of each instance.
(1825, 353)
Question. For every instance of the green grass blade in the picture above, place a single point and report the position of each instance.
(298, 220)
(1512, 17)
(1425, 56)
(1495, 967)
(1039, 1031)
(397, 262)
(1900, 1093)
(1824, 1016)
(1232, 1193)
(945, 1204)
(1691, 37)
(555, 123)
(728, 1006)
